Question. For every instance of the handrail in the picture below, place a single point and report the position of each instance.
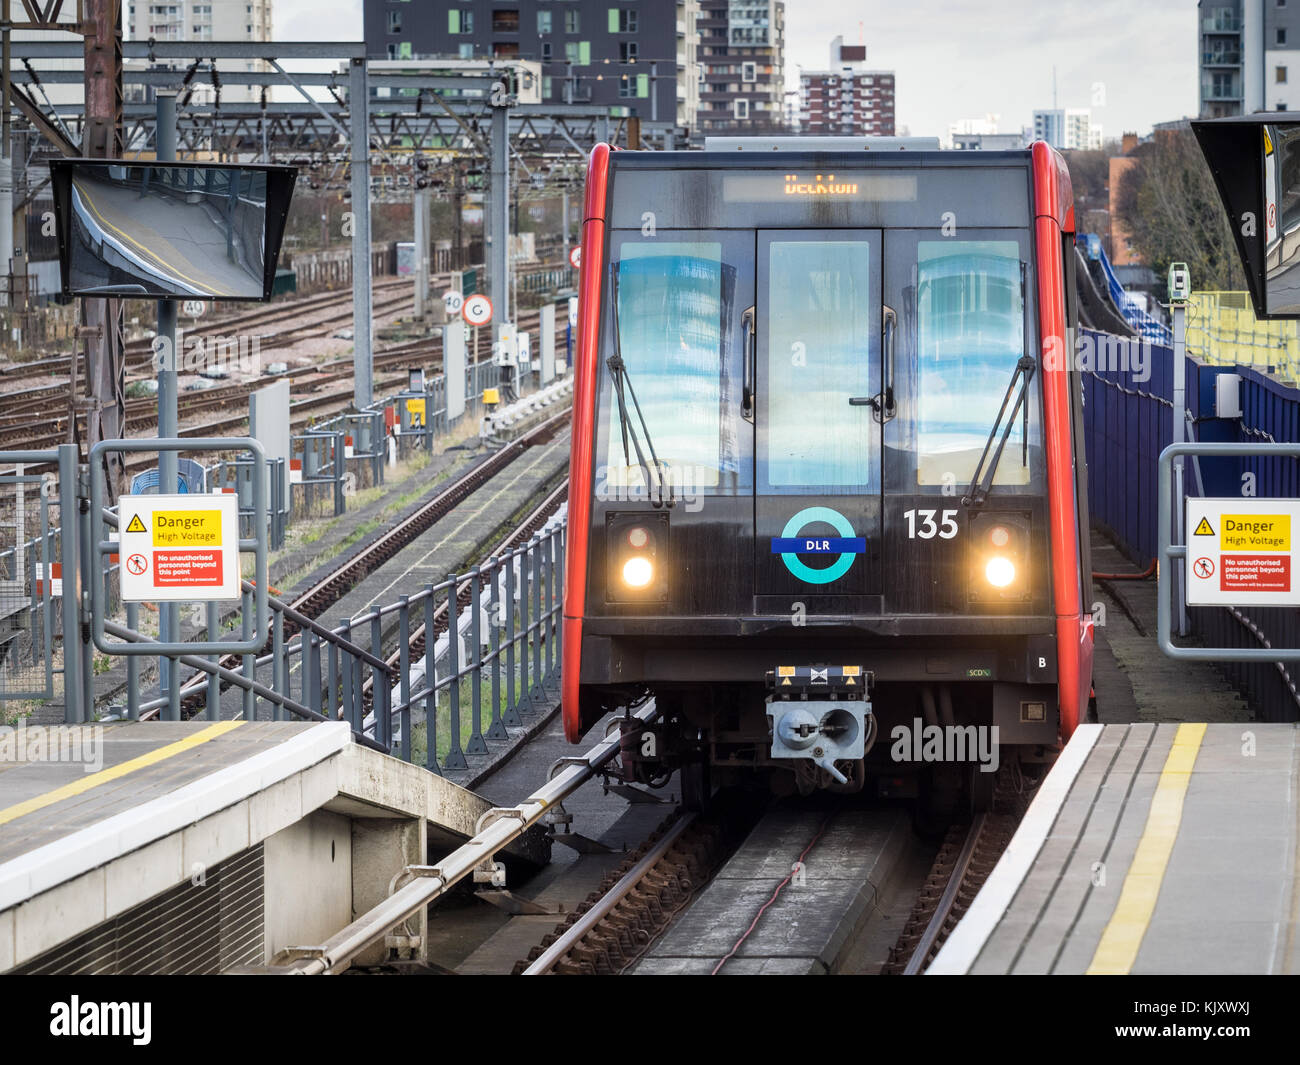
(503, 827)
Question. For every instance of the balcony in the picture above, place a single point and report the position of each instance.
(1221, 59)
(1222, 25)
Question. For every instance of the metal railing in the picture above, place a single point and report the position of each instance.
(1172, 551)
(489, 653)
(31, 625)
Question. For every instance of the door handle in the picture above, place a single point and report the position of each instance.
(882, 404)
(885, 410)
(748, 358)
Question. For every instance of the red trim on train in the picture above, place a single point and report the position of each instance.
(1053, 214)
(586, 358)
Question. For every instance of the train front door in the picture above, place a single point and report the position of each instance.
(817, 396)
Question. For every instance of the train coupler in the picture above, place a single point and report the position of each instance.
(820, 713)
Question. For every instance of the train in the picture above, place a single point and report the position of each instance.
(828, 499)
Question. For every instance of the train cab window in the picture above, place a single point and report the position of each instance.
(673, 327)
(970, 334)
(820, 310)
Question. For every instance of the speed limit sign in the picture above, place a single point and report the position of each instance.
(193, 308)
(453, 301)
(575, 256)
(477, 310)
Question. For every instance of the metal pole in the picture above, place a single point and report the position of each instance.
(421, 211)
(497, 219)
(73, 584)
(169, 620)
(6, 168)
(359, 105)
(1180, 423)
(564, 225)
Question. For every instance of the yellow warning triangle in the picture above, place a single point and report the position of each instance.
(136, 525)
(1203, 529)
(848, 682)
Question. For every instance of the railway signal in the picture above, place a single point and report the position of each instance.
(477, 310)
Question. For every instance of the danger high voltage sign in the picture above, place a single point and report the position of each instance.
(1240, 552)
(179, 548)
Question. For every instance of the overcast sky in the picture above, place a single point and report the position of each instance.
(961, 58)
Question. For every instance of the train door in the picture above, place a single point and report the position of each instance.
(814, 392)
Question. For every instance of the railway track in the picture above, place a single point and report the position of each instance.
(15, 424)
(342, 579)
(464, 591)
(270, 315)
(329, 589)
(965, 859)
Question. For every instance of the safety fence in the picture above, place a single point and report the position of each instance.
(429, 678)
(1222, 330)
(328, 463)
(1128, 418)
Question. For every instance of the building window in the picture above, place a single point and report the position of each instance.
(460, 20)
(1281, 75)
(627, 51)
(740, 108)
(749, 72)
(546, 51)
(572, 23)
(466, 51)
(622, 20)
(578, 52)
(1281, 35)
(543, 22)
(394, 22)
(505, 20)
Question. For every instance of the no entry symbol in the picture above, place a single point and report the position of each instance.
(136, 564)
(1203, 567)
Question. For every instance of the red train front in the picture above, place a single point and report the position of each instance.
(827, 499)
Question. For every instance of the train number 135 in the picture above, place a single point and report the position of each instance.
(946, 529)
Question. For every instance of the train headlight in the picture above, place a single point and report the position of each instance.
(638, 564)
(999, 571)
(638, 572)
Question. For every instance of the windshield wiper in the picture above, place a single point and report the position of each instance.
(982, 479)
(623, 384)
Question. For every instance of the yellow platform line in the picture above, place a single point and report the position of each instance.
(1122, 938)
(93, 780)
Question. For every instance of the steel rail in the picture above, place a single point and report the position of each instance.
(431, 882)
(602, 908)
(934, 927)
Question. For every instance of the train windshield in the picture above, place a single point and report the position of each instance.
(970, 332)
(675, 303)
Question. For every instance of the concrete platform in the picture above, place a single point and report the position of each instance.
(808, 928)
(1149, 849)
(96, 821)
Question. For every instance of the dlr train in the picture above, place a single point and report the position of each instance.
(828, 502)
